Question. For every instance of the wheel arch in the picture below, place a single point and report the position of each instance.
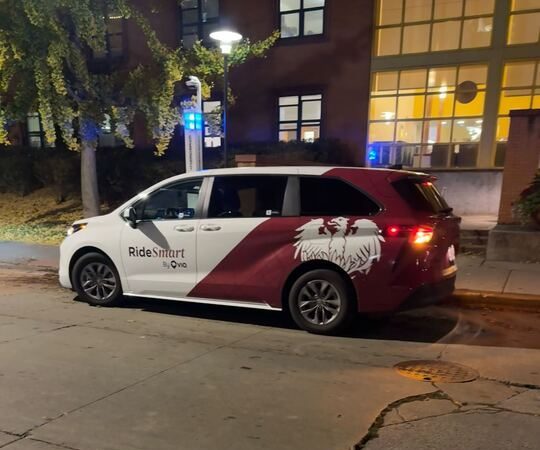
(84, 251)
(308, 266)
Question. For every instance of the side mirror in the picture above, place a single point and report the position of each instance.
(130, 216)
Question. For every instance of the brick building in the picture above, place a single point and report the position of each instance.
(424, 83)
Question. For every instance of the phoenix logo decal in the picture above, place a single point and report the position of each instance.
(354, 247)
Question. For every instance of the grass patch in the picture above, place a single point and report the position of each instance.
(36, 218)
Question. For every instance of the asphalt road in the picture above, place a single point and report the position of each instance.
(163, 375)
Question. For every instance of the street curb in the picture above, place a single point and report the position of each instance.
(486, 298)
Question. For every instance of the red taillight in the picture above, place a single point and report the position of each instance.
(418, 235)
(422, 235)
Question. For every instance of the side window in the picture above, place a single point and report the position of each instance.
(173, 202)
(333, 197)
(247, 196)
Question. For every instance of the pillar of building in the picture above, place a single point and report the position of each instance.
(522, 160)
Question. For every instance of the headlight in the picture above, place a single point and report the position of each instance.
(76, 227)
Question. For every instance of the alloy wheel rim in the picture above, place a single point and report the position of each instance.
(98, 281)
(319, 302)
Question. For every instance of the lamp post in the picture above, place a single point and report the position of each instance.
(226, 40)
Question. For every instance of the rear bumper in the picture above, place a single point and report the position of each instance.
(429, 294)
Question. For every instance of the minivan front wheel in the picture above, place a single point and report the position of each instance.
(96, 280)
(320, 302)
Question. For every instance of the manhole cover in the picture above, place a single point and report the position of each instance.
(433, 370)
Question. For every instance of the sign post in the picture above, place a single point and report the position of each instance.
(193, 130)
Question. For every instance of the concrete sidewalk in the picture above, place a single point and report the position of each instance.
(497, 277)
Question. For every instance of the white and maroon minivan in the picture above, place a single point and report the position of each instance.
(321, 243)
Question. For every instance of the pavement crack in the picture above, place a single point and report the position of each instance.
(67, 447)
(378, 423)
(399, 415)
(11, 442)
(441, 353)
(506, 281)
(512, 384)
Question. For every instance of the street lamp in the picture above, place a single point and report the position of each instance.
(226, 39)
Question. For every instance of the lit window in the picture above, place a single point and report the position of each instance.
(300, 118)
(388, 41)
(427, 117)
(417, 10)
(301, 18)
(442, 79)
(412, 81)
(523, 5)
(448, 9)
(199, 19)
(479, 7)
(382, 108)
(445, 35)
(520, 89)
(385, 83)
(420, 26)
(524, 28)
(416, 38)
(477, 32)
(390, 12)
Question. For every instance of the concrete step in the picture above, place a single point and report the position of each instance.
(473, 250)
(474, 237)
(474, 242)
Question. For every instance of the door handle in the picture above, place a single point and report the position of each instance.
(184, 228)
(210, 227)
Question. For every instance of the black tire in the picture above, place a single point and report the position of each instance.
(106, 276)
(307, 284)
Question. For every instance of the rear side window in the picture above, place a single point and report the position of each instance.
(247, 196)
(422, 195)
(333, 197)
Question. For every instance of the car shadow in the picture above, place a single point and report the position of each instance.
(427, 325)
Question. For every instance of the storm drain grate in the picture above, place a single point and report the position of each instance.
(434, 370)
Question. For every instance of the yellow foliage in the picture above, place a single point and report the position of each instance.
(36, 218)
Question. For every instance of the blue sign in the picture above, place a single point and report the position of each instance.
(193, 121)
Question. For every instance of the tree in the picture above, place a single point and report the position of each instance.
(46, 66)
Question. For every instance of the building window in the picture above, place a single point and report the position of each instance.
(199, 19)
(520, 90)
(301, 17)
(524, 22)
(427, 117)
(419, 26)
(300, 118)
(114, 39)
(36, 135)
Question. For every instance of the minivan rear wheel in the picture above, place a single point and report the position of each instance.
(320, 302)
(96, 280)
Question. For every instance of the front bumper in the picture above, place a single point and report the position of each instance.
(63, 272)
(430, 294)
